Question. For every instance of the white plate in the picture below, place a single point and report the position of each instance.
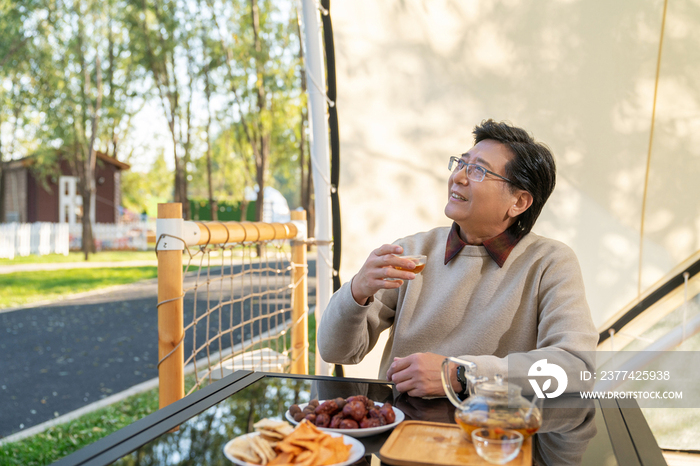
(357, 433)
(357, 450)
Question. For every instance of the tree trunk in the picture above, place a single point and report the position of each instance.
(2, 191)
(262, 138)
(88, 159)
(88, 242)
(207, 91)
(244, 209)
(260, 201)
(188, 132)
(305, 163)
(177, 191)
(110, 81)
(169, 98)
(302, 125)
(2, 174)
(90, 164)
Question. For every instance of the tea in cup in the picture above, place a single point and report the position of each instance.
(497, 446)
(418, 259)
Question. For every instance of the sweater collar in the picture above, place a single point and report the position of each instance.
(498, 247)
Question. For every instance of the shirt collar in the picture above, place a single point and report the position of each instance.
(498, 247)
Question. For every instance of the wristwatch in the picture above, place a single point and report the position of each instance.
(462, 378)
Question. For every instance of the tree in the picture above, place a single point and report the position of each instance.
(15, 83)
(75, 72)
(12, 103)
(90, 103)
(140, 189)
(161, 40)
(74, 111)
(124, 94)
(305, 169)
(209, 62)
(210, 187)
(68, 95)
(259, 63)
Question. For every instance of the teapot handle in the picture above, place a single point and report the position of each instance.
(445, 376)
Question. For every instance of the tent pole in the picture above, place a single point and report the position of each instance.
(316, 79)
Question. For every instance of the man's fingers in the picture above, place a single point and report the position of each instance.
(391, 284)
(382, 263)
(417, 392)
(403, 387)
(400, 364)
(391, 272)
(388, 249)
(400, 377)
(406, 386)
(412, 388)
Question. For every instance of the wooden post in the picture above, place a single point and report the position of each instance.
(171, 385)
(300, 330)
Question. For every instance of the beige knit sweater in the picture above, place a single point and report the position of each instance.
(470, 308)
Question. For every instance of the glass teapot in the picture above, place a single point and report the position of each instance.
(491, 404)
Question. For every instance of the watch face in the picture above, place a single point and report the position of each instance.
(460, 373)
(462, 379)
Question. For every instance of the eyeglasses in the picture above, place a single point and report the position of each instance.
(474, 172)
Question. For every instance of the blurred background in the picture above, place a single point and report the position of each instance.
(415, 77)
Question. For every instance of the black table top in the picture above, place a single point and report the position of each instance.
(595, 432)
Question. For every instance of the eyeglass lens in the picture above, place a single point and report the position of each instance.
(474, 172)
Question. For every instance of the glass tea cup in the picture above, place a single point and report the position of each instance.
(497, 446)
(418, 259)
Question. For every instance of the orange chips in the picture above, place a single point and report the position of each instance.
(308, 446)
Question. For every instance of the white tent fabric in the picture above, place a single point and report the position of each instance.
(414, 77)
(275, 208)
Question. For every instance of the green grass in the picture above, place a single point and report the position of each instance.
(59, 441)
(21, 288)
(104, 256)
(62, 440)
(122, 256)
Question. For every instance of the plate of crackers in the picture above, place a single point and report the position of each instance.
(278, 443)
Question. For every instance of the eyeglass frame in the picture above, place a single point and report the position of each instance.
(466, 165)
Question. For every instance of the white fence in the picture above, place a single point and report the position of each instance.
(114, 236)
(23, 239)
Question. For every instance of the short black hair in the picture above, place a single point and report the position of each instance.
(532, 168)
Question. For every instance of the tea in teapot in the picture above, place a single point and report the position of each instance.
(491, 404)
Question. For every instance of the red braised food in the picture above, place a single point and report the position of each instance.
(355, 412)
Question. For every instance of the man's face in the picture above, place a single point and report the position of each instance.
(480, 208)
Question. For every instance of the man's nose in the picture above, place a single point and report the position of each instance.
(460, 176)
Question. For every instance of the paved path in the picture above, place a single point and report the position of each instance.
(60, 357)
(5, 269)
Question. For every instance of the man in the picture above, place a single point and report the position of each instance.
(490, 287)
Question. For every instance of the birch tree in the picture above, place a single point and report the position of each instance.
(161, 40)
(259, 63)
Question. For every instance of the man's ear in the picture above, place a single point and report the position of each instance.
(523, 201)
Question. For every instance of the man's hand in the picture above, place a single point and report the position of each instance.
(379, 266)
(419, 374)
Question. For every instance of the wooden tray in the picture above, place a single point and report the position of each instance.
(421, 443)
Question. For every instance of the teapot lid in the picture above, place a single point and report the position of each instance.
(498, 388)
